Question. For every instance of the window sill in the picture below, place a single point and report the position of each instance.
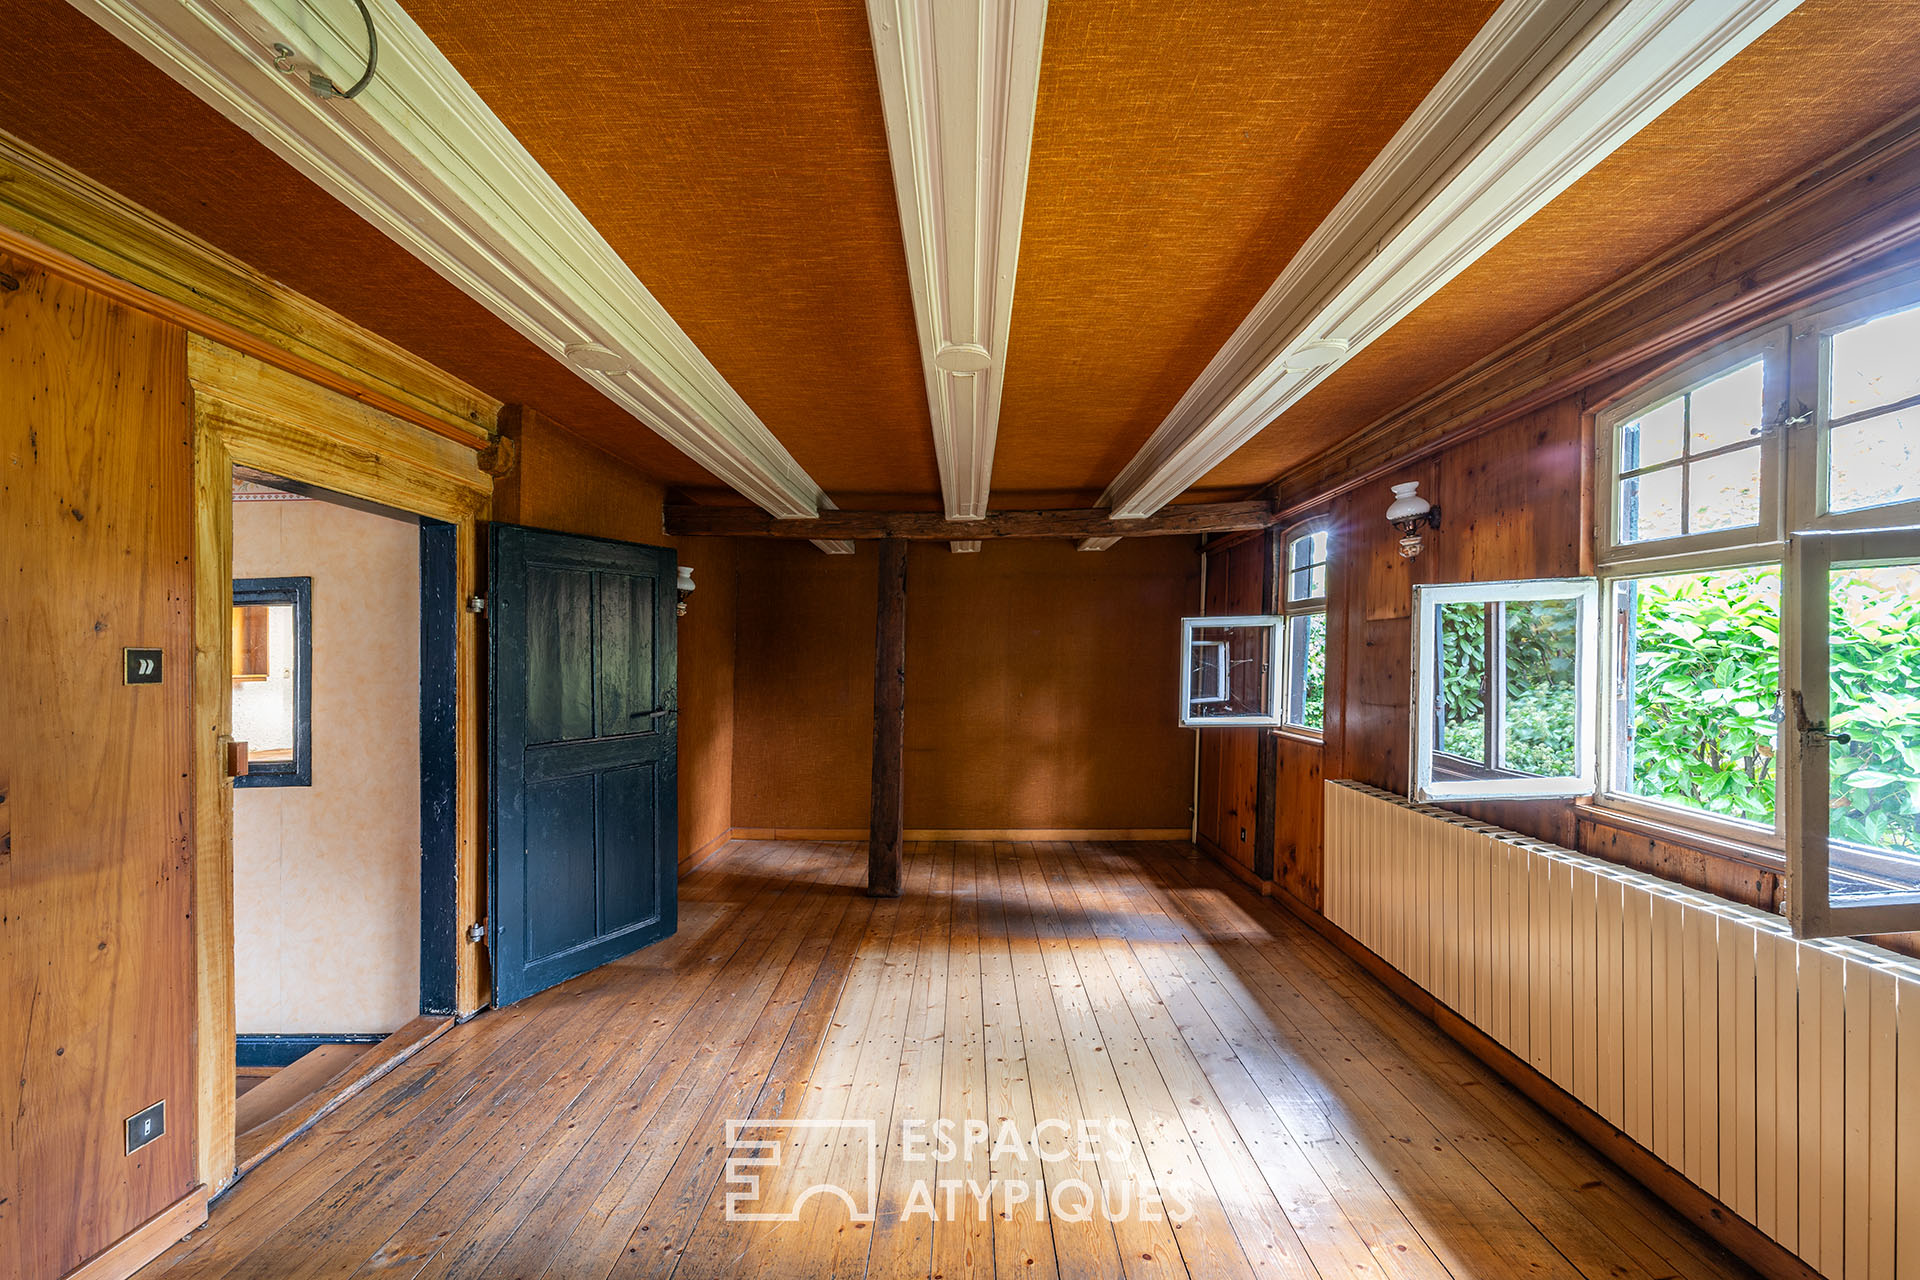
(1750, 852)
(1307, 736)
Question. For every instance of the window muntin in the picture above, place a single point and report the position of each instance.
(1870, 434)
(1692, 463)
(1502, 700)
(1306, 554)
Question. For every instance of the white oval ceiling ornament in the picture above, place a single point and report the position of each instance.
(595, 358)
(1316, 355)
(963, 357)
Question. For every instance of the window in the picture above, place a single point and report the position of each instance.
(1304, 605)
(272, 680)
(1746, 482)
(1501, 695)
(1230, 665)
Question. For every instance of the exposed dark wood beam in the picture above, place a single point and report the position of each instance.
(926, 526)
(884, 845)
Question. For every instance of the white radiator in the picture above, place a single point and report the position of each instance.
(1780, 1076)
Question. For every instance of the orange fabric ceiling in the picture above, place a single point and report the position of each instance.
(74, 91)
(735, 155)
(1181, 154)
(1829, 73)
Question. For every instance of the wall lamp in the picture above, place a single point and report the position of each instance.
(1408, 512)
(683, 583)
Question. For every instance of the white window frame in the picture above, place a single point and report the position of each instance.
(1794, 478)
(1301, 607)
(1426, 642)
(1751, 546)
(1275, 629)
(1806, 751)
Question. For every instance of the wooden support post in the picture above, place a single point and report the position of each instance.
(1267, 759)
(889, 723)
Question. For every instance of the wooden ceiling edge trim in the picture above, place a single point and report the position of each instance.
(422, 158)
(1785, 249)
(961, 231)
(1549, 98)
(1081, 523)
(74, 228)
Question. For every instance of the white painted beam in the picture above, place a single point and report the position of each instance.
(422, 158)
(1546, 91)
(958, 80)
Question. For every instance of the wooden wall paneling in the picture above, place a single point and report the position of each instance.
(83, 232)
(246, 412)
(1266, 768)
(97, 874)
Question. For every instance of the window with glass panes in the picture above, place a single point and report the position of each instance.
(1304, 604)
(1725, 483)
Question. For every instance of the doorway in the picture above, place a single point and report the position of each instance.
(344, 660)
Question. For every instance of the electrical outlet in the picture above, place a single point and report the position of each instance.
(145, 1127)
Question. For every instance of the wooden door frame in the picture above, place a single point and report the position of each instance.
(247, 412)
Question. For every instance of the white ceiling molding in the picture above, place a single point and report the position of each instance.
(1546, 91)
(422, 158)
(958, 80)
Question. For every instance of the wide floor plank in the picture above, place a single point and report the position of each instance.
(1109, 1060)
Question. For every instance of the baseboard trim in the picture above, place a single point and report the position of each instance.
(1740, 1237)
(147, 1241)
(707, 850)
(1234, 867)
(285, 1050)
(1119, 834)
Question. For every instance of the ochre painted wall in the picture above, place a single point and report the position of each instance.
(326, 878)
(1040, 687)
(96, 885)
(561, 482)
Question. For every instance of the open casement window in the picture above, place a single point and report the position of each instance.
(1503, 691)
(1853, 732)
(1229, 671)
(1303, 703)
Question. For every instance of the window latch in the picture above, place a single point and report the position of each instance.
(1796, 416)
(1813, 732)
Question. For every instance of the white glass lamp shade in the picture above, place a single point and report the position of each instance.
(683, 581)
(1407, 502)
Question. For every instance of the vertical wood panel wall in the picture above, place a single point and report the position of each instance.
(95, 498)
(1041, 687)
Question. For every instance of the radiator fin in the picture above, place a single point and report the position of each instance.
(1780, 1076)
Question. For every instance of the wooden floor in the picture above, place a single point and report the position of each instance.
(1295, 1117)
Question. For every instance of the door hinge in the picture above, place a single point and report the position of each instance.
(477, 931)
(476, 604)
